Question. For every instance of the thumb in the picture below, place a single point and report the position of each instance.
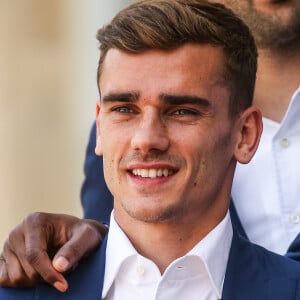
(85, 237)
(68, 256)
(61, 264)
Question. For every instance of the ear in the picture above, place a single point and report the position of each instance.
(250, 129)
(98, 149)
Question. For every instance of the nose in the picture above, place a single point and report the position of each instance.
(150, 133)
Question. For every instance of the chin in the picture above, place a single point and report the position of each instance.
(154, 215)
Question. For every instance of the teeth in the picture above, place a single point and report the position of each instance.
(152, 173)
(144, 173)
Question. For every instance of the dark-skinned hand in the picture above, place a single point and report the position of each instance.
(45, 246)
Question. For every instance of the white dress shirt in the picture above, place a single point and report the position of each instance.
(266, 192)
(197, 275)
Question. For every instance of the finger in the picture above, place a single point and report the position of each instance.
(15, 252)
(13, 274)
(43, 266)
(4, 279)
(36, 253)
(83, 239)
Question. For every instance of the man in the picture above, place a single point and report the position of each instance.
(174, 117)
(274, 174)
(267, 204)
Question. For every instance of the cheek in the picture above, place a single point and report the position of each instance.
(110, 138)
(110, 174)
(212, 154)
(114, 148)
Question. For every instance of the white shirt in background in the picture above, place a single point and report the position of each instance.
(266, 192)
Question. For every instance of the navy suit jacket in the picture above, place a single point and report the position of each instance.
(253, 273)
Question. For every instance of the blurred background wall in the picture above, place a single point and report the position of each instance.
(48, 61)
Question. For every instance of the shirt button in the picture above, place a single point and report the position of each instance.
(295, 218)
(140, 270)
(179, 267)
(284, 143)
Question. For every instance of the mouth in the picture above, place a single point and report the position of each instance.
(279, 1)
(152, 172)
(274, 1)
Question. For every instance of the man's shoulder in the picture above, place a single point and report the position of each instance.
(254, 272)
(274, 264)
(279, 265)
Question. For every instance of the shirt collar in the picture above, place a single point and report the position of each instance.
(291, 117)
(293, 109)
(213, 250)
(114, 257)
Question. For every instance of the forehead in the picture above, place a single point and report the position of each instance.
(189, 69)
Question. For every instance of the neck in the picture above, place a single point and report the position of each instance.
(163, 242)
(278, 77)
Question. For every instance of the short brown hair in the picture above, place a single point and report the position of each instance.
(168, 24)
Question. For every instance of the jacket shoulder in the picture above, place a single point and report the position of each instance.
(277, 265)
(256, 273)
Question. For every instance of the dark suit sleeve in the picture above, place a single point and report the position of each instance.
(96, 199)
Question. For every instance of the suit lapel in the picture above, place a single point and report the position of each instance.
(243, 278)
(236, 222)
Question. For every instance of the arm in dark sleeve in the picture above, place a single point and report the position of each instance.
(96, 199)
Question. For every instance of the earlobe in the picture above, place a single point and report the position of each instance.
(98, 148)
(249, 134)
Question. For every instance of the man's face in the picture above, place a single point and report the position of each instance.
(165, 133)
(275, 24)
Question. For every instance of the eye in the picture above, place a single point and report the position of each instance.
(123, 109)
(184, 112)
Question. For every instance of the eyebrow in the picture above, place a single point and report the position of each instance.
(121, 97)
(166, 98)
(184, 99)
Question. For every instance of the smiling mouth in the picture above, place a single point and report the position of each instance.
(278, 1)
(152, 173)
